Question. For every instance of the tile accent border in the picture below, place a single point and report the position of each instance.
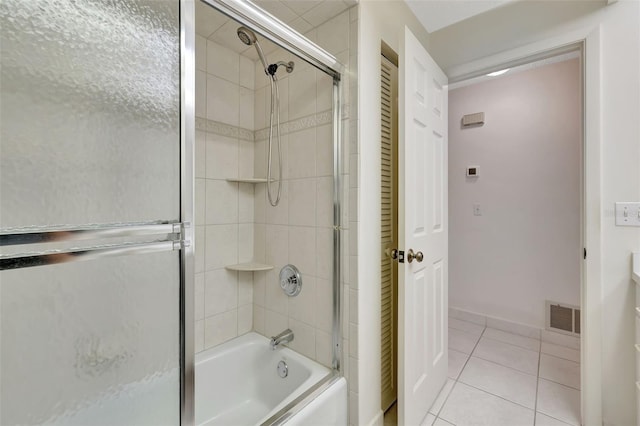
(299, 124)
(303, 123)
(223, 129)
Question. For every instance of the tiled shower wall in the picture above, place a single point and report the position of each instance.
(224, 210)
(299, 231)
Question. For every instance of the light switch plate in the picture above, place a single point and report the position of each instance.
(628, 214)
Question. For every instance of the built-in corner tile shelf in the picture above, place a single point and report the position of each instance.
(249, 267)
(247, 180)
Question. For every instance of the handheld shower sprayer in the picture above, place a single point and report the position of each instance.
(249, 38)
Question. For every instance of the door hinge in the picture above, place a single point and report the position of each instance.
(584, 253)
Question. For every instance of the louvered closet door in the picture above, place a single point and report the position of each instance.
(389, 229)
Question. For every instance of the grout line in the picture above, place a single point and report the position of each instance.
(496, 340)
(498, 396)
(554, 418)
(502, 365)
(515, 369)
(558, 383)
(535, 405)
(474, 349)
(483, 390)
(559, 357)
(537, 376)
(455, 382)
(511, 344)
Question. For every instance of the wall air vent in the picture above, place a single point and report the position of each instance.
(471, 120)
(563, 318)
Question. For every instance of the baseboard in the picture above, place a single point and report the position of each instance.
(514, 327)
(497, 323)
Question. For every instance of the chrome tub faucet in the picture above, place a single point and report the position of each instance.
(282, 338)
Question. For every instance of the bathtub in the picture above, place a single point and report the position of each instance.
(238, 383)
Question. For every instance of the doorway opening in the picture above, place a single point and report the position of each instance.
(516, 216)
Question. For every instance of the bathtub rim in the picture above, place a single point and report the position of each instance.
(255, 338)
(294, 406)
(304, 399)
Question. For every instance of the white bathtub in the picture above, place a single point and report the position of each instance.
(237, 383)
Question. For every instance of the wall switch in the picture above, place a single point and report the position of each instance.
(628, 214)
(476, 210)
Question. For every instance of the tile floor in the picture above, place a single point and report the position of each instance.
(502, 379)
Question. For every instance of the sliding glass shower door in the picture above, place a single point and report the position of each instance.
(92, 230)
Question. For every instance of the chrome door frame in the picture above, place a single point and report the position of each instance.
(168, 235)
(270, 27)
(187, 179)
(248, 14)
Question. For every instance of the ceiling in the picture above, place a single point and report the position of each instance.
(303, 15)
(437, 14)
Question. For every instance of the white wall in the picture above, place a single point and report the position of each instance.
(527, 22)
(525, 247)
(379, 21)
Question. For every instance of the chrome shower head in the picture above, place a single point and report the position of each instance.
(249, 38)
(246, 36)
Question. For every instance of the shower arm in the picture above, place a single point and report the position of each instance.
(273, 68)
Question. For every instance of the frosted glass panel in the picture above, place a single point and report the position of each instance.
(89, 124)
(91, 343)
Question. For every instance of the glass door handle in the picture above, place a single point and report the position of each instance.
(30, 260)
(37, 235)
(169, 236)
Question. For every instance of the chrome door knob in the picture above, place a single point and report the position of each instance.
(417, 256)
(392, 253)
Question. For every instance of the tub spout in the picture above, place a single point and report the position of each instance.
(282, 338)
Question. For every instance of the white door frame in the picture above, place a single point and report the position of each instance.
(591, 274)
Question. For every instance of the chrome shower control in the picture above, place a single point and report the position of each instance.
(290, 280)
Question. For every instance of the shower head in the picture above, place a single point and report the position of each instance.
(249, 38)
(246, 36)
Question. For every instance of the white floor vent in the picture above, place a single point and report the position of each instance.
(563, 318)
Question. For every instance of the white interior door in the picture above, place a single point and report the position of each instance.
(422, 289)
